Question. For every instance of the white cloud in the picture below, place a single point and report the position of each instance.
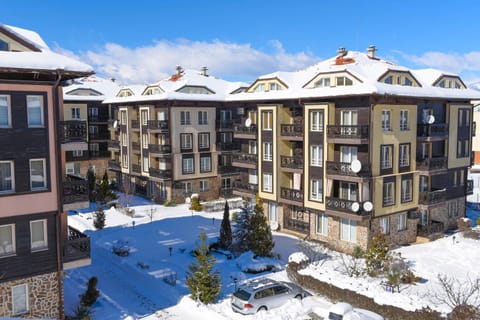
(452, 62)
(231, 61)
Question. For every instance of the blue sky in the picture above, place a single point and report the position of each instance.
(143, 41)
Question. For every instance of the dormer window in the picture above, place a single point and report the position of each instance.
(259, 88)
(125, 93)
(400, 78)
(322, 82)
(450, 83)
(3, 46)
(344, 81)
(195, 90)
(151, 91)
(275, 86)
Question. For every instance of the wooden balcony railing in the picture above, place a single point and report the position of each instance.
(291, 130)
(291, 162)
(348, 132)
(345, 169)
(157, 125)
(72, 131)
(291, 194)
(245, 158)
(77, 246)
(75, 190)
(158, 173)
(432, 163)
(432, 197)
(160, 148)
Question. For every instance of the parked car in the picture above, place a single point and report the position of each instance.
(264, 294)
(345, 311)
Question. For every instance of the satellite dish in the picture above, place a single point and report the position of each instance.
(355, 206)
(274, 225)
(356, 166)
(248, 123)
(188, 200)
(368, 206)
(431, 119)
(115, 124)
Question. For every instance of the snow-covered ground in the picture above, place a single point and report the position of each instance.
(134, 287)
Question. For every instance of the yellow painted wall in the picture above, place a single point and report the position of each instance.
(13, 45)
(275, 132)
(476, 139)
(328, 117)
(379, 210)
(453, 161)
(67, 108)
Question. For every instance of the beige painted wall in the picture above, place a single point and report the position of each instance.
(275, 132)
(13, 45)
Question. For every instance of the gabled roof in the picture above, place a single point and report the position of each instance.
(38, 57)
(104, 87)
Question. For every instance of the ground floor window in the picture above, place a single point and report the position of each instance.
(203, 185)
(402, 221)
(272, 211)
(348, 230)
(322, 224)
(20, 299)
(385, 225)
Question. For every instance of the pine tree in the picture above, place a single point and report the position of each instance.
(91, 295)
(242, 227)
(226, 229)
(260, 235)
(104, 194)
(91, 178)
(377, 254)
(204, 283)
(99, 221)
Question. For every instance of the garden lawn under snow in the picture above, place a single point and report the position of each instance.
(161, 238)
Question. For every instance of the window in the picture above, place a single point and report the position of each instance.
(38, 235)
(348, 154)
(204, 140)
(93, 114)
(316, 190)
(343, 81)
(38, 177)
(202, 117)
(187, 187)
(125, 160)
(463, 117)
(5, 113)
(124, 139)
(385, 225)
(187, 166)
(404, 155)
(94, 149)
(453, 209)
(205, 163)
(225, 115)
(316, 121)
(203, 185)
(7, 240)
(145, 164)
(267, 120)
(316, 155)
(322, 224)
(463, 148)
(253, 176)
(185, 117)
(267, 151)
(406, 194)
(144, 117)
(3, 46)
(259, 88)
(252, 147)
(186, 141)
(123, 117)
(75, 113)
(162, 164)
(267, 182)
(145, 141)
(388, 193)
(20, 299)
(272, 211)
(403, 120)
(386, 120)
(226, 137)
(386, 156)
(7, 180)
(275, 86)
(348, 230)
(388, 80)
(226, 183)
(322, 82)
(35, 111)
(402, 221)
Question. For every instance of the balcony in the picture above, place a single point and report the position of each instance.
(296, 225)
(291, 196)
(228, 146)
(136, 168)
(157, 125)
(345, 169)
(432, 197)
(227, 170)
(343, 209)
(72, 135)
(160, 174)
(348, 134)
(159, 149)
(114, 165)
(136, 147)
(76, 250)
(114, 145)
(245, 160)
(75, 193)
(226, 192)
(245, 189)
(432, 132)
(135, 124)
(223, 125)
(292, 163)
(429, 229)
(469, 187)
(292, 131)
(431, 164)
(104, 135)
(244, 132)
(98, 118)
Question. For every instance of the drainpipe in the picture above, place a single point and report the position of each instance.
(56, 122)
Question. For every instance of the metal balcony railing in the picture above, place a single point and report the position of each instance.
(72, 131)
(77, 246)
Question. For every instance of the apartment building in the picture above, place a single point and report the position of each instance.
(174, 138)
(356, 145)
(83, 100)
(36, 244)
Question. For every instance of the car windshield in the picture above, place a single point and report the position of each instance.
(334, 316)
(242, 294)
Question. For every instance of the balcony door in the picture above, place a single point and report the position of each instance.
(348, 154)
(349, 118)
(348, 191)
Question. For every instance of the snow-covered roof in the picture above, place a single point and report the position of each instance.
(40, 58)
(219, 89)
(100, 87)
(367, 72)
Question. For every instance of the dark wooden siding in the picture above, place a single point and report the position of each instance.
(25, 262)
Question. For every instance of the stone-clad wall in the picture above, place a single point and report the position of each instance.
(43, 297)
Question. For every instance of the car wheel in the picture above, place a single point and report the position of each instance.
(299, 297)
(262, 308)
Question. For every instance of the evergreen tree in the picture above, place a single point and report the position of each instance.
(99, 221)
(226, 229)
(91, 295)
(260, 235)
(91, 178)
(377, 254)
(203, 283)
(104, 194)
(242, 227)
